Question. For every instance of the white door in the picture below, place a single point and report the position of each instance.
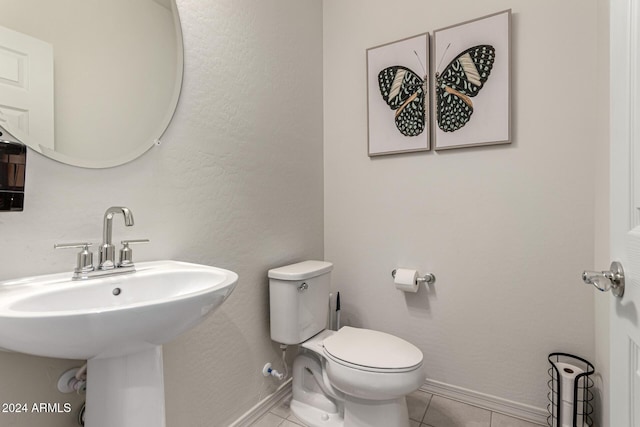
(625, 211)
(26, 87)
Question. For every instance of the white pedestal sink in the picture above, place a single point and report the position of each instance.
(118, 324)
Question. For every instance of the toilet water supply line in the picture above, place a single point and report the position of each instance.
(79, 381)
(268, 370)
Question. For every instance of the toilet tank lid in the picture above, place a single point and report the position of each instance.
(301, 271)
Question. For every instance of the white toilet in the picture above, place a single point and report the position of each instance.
(350, 378)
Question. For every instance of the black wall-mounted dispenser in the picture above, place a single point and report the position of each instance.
(13, 165)
(570, 394)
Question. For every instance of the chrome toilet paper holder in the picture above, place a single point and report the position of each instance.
(428, 278)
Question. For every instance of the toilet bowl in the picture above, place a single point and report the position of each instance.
(353, 377)
(334, 388)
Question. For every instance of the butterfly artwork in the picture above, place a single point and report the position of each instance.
(398, 96)
(471, 92)
(461, 80)
(405, 92)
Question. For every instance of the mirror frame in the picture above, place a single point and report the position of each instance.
(155, 138)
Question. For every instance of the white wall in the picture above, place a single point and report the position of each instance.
(237, 184)
(507, 230)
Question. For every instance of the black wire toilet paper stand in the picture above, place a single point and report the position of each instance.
(582, 393)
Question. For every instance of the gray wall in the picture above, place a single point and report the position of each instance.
(237, 183)
(507, 229)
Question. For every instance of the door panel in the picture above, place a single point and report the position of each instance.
(26, 86)
(625, 215)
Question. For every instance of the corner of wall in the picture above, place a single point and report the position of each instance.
(601, 209)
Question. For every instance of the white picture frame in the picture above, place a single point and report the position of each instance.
(384, 134)
(489, 119)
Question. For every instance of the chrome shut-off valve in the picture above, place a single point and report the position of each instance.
(612, 279)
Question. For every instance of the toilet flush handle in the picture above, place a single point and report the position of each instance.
(303, 287)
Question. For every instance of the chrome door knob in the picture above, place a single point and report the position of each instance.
(612, 279)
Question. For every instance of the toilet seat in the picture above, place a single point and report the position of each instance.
(372, 351)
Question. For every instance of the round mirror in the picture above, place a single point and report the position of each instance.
(91, 83)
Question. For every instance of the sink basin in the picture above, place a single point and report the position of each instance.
(55, 316)
(118, 323)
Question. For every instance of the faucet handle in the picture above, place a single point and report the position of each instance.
(85, 256)
(126, 254)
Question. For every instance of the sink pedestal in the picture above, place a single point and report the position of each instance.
(126, 391)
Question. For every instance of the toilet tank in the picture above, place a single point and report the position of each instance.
(299, 300)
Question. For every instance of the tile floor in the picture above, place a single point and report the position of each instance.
(425, 410)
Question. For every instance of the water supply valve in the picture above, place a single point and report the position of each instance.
(267, 370)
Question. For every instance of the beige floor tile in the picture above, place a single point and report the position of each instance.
(449, 413)
(269, 420)
(417, 403)
(282, 409)
(425, 410)
(295, 419)
(499, 420)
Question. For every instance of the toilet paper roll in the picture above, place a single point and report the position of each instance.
(567, 417)
(568, 374)
(405, 280)
(566, 414)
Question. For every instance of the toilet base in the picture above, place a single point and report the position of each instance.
(375, 413)
(317, 409)
(357, 413)
(314, 417)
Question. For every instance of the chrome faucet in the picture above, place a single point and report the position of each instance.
(106, 260)
(106, 263)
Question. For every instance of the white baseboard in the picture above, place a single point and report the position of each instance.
(264, 406)
(485, 401)
(497, 404)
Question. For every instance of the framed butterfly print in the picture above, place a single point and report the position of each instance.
(472, 83)
(398, 96)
